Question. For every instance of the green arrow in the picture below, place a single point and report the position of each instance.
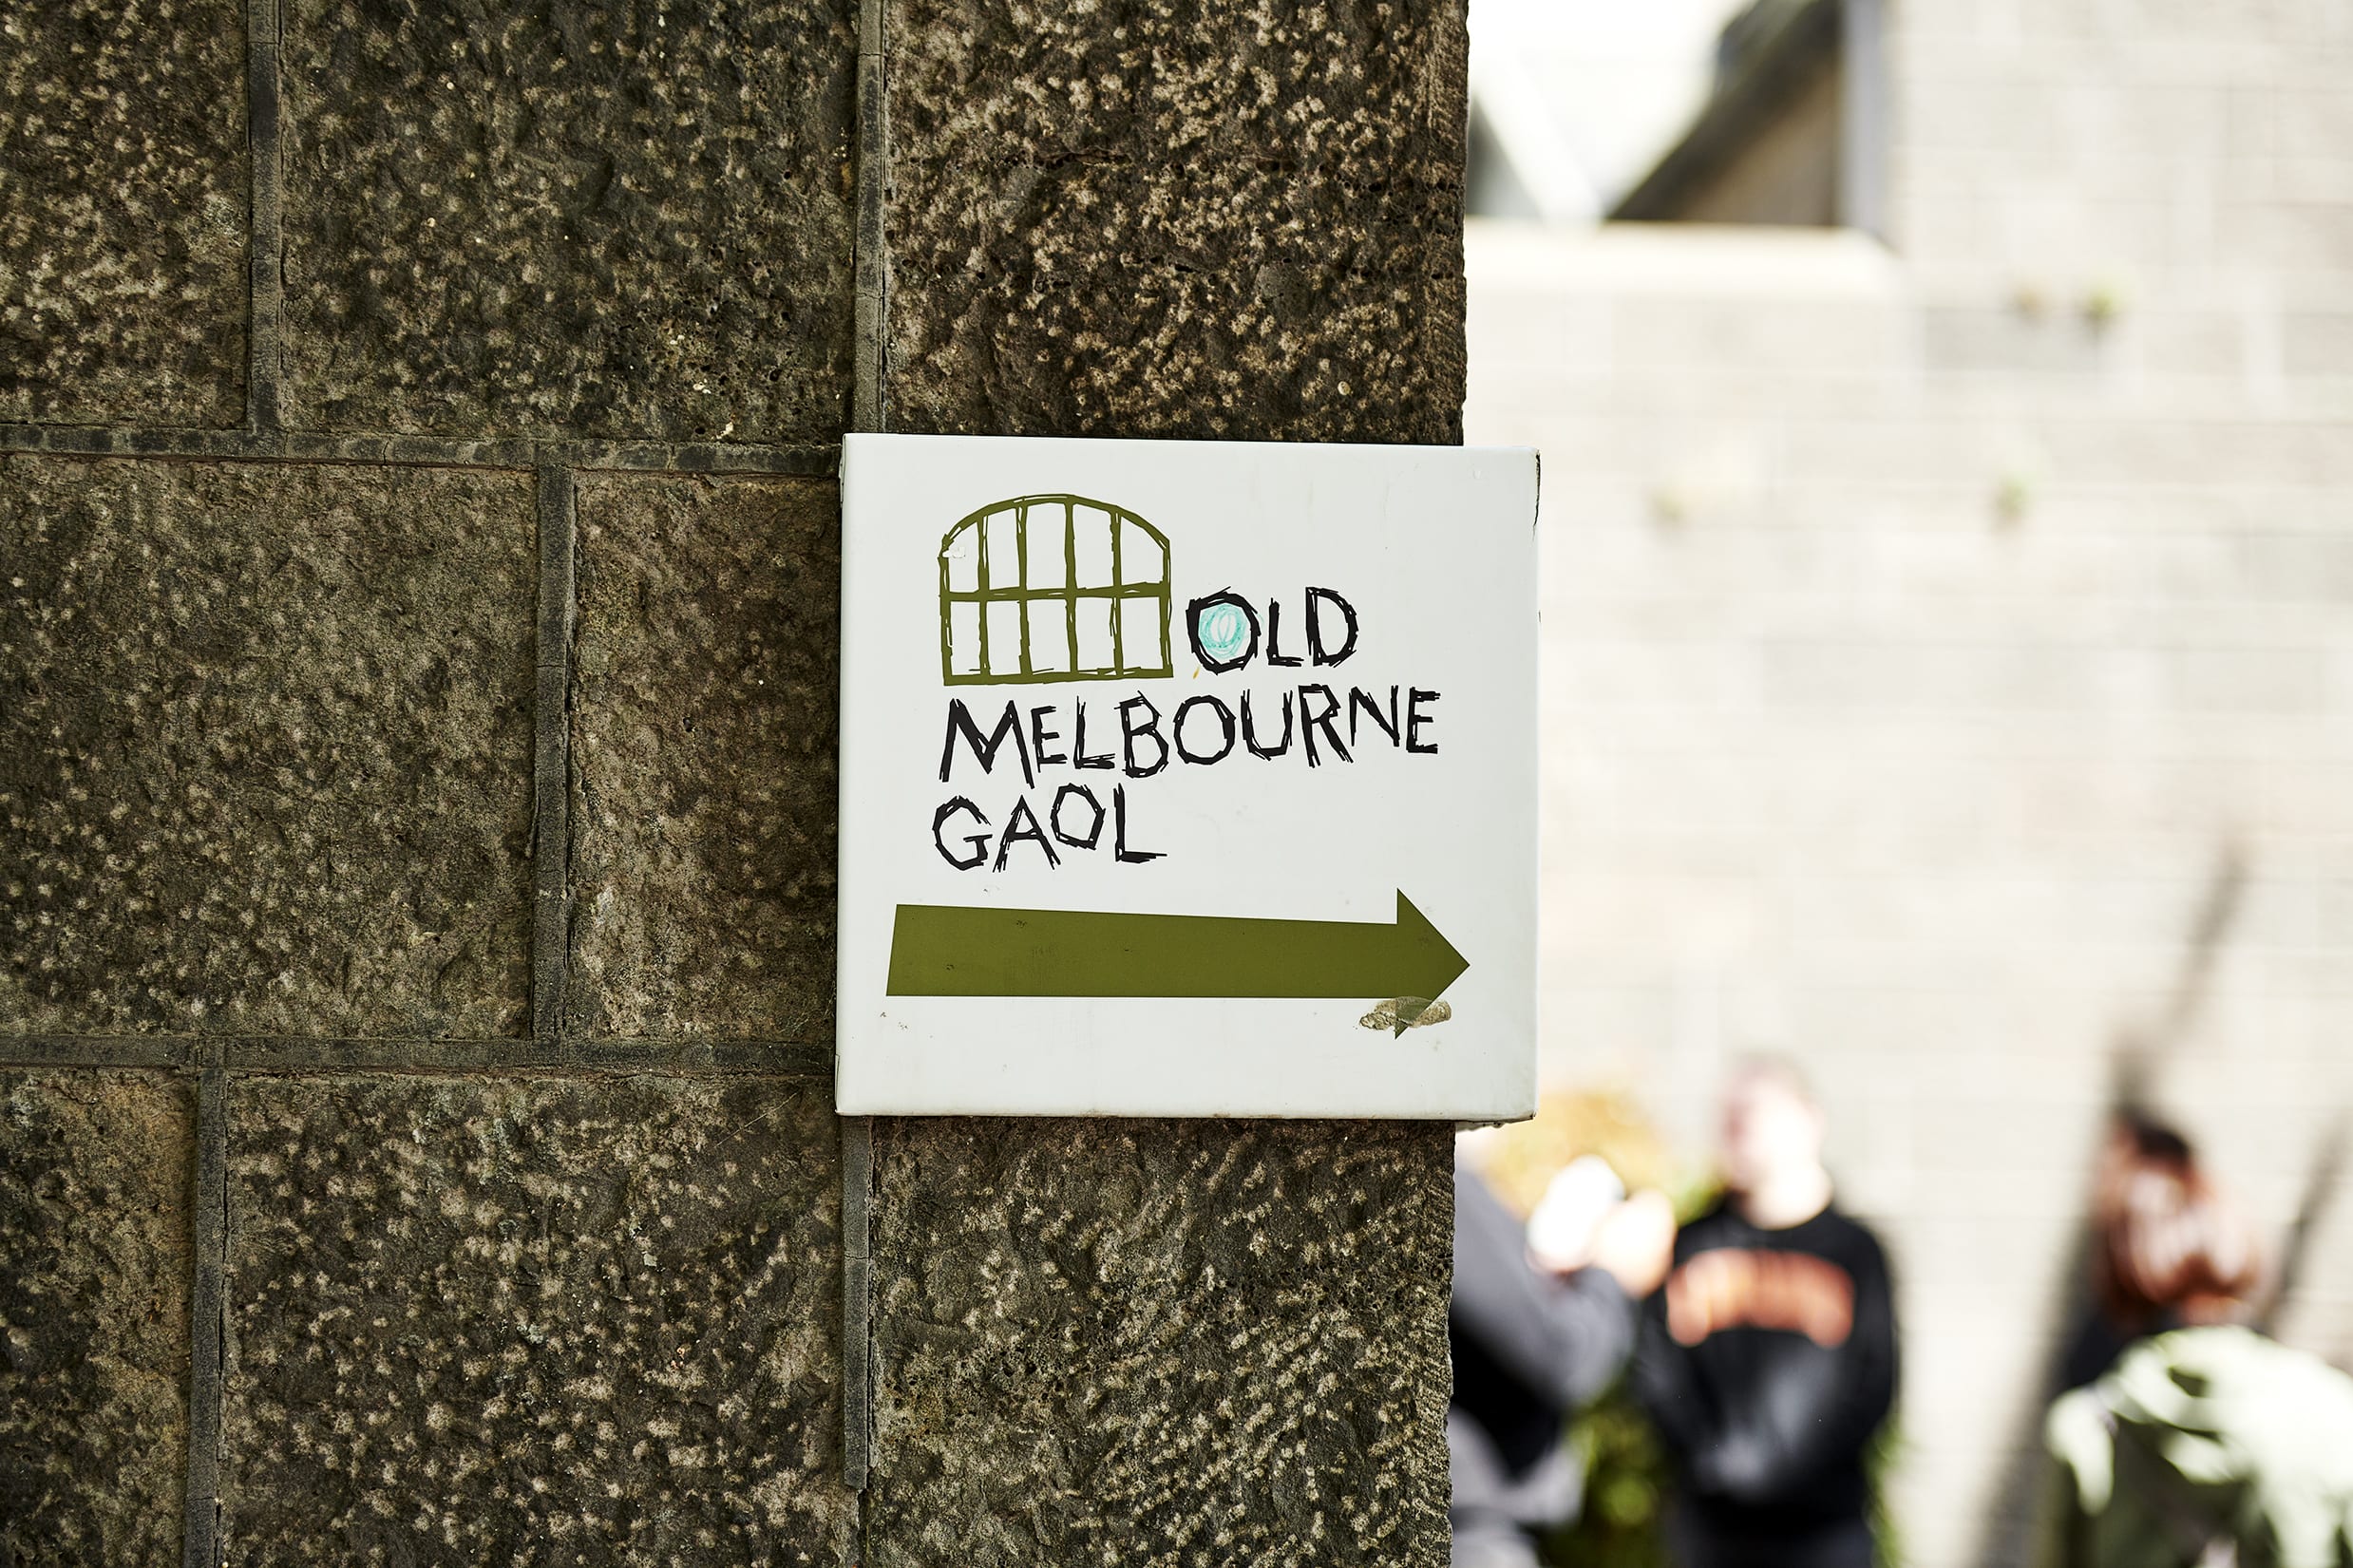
(949, 950)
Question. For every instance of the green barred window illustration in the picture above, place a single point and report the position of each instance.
(1052, 588)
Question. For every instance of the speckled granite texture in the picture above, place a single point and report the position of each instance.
(1153, 1343)
(264, 748)
(703, 723)
(1177, 218)
(96, 1174)
(122, 210)
(266, 769)
(498, 1320)
(626, 220)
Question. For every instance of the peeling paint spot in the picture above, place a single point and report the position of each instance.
(1400, 1013)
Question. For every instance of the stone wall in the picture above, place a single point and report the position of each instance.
(1948, 665)
(418, 638)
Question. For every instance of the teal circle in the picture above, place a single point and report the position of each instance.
(1224, 631)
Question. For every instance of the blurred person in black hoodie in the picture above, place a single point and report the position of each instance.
(1769, 1360)
(1541, 1319)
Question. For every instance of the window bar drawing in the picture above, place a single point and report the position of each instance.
(1015, 609)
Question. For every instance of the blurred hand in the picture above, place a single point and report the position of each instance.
(1636, 1242)
(1561, 1232)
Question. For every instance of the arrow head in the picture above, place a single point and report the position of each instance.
(1426, 961)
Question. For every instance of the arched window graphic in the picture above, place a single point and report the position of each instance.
(1052, 588)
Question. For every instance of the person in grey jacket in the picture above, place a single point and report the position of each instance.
(1534, 1338)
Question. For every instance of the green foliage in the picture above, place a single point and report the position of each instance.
(1626, 1489)
(1629, 1484)
(1886, 1452)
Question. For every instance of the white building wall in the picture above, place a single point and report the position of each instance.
(1949, 658)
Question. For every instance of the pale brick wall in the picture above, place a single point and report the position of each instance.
(1935, 633)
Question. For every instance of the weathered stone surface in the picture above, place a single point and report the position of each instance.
(122, 210)
(1161, 1343)
(264, 748)
(703, 722)
(493, 1320)
(1171, 217)
(96, 1173)
(610, 219)
(1154, 1342)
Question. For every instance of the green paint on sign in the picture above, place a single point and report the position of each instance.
(948, 950)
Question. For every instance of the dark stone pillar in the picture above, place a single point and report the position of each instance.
(1138, 1342)
(418, 634)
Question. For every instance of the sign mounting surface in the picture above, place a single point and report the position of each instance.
(1186, 779)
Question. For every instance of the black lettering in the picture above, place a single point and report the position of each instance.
(1078, 745)
(1311, 722)
(1129, 734)
(1415, 718)
(1016, 832)
(1359, 699)
(1039, 735)
(980, 841)
(1225, 722)
(1249, 732)
(1053, 818)
(1119, 831)
(960, 722)
(1315, 627)
(1198, 608)
(1273, 638)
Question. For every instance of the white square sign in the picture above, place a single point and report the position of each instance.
(1186, 779)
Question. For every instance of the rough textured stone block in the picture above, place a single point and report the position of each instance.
(122, 210)
(592, 1320)
(615, 221)
(1150, 217)
(1161, 1343)
(703, 721)
(96, 1174)
(265, 743)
